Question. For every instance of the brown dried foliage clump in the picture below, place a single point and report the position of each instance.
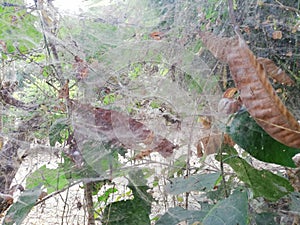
(255, 89)
(109, 122)
(119, 128)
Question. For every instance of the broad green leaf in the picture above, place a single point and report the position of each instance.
(262, 182)
(232, 210)
(220, 192)
(100, 156)
(253, 139)
(199, 182)
(52, 179)
(178, 214)
(19, 210)
(178, 167)
(265, 219)
(73, 173)
(57, 131)
(131, 212)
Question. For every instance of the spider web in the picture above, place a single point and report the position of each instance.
(144, 61)
(158, 79)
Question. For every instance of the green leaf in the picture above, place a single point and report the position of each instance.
(253, 139)
(56, 131)
(178, 214)
(178, 167)
(105, 196)
(100, 156)
(192, 183)
(18, 30)
(19, 210)
(233, 210)
(262, 182)
(109, 99)
(131, 212)
(73, 173)
(52, 179)
(265, 218)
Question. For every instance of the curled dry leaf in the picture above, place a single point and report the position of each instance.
(277, 35)
(256, 91)
(43, 195)
(64, 91)
(157, 35)
(218, 46)
(275, 72)
(230, 103)
(206, 121)
(230, 92)
(142, 154)
(81, 68)
(212, 143)
(5, 202)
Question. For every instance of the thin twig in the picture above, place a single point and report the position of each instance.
(65, 205)
(235, 25)
(88, 195)
(56, 193)
(222, 171)
(282, 7)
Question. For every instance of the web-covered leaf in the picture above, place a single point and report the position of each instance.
(177, 214)
(263, 182)
(135, 211)
(19, 210)
(15, 21)
(253, 139)
(51, 179)
(58, 131)
(232, 210)
(192, 183)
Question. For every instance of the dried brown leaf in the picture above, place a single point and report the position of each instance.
(275, 72)
(220, 47)
(277, 35)
(81, 68)
(142, 154)
(256, 91)
(212, 143)
(118, 129)
(157, 35)
(64, 91)
(206, 121)
(130, 132)
(230, 92)
(229, 105)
